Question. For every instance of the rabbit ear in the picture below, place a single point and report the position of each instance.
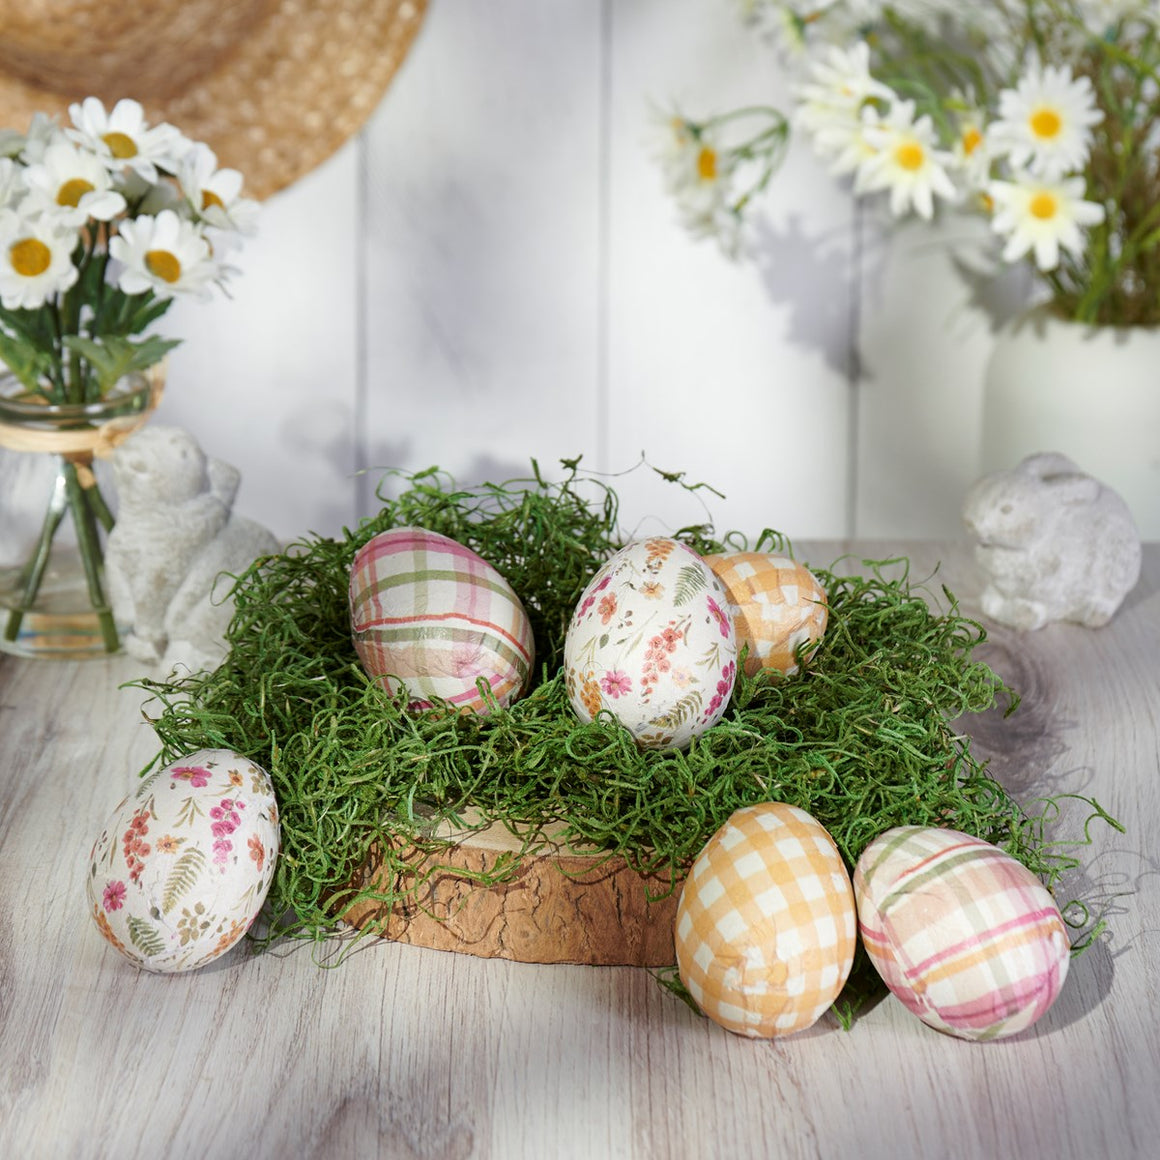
(1073, 489)
(1046, 464)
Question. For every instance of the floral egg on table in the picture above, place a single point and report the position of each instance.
(652, 642)
(778, 605)
(431, 615)
(964, 934)
(766, 927)
(184, 864)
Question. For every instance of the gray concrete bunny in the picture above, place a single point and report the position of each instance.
(174, 538)
(1053, 544)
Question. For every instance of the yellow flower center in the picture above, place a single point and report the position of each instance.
(208, 198)
(1043, 206)
(121, 146)
(972, 139)
(73, 190)
(1046, 123)
(30, 257)
(707, 164)
(164, 265)
(910, 155)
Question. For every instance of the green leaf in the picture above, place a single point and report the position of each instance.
(691, 579)
(144, 937)
(28, 363)
(112, 356)
(182, 877)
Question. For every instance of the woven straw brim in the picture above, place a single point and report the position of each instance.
(273, 87)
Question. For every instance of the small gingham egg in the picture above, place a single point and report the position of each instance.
(183, 866)
(765, 928)
(777, 605)
(965, 935)
(430, 614)
(651, 642)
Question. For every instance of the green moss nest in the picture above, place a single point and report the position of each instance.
(863, 737)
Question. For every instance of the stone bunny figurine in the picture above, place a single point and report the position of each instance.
(1053, 544)
(174, 537)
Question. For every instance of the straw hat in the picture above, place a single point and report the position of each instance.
(274, 87)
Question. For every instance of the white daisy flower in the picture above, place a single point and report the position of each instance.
(699, 174)
(12, 187)
(122, 139)
(165, 254)
(840, 86)
(973, 150)
(907, 162)
(35, 260)
(1042, 216)
(43, 131)
(72, 185)
(696, 168)
(1045, 122)
(848, 146)
(216, 194)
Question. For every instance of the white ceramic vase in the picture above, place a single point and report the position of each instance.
(1090, 392)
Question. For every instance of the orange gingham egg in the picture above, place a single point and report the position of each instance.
(766, 926)
(777, 604)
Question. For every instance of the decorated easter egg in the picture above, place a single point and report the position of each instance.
(651, 641)
(965, 935)
(183, 866)
(777, 605)
(766, 928)
(429, 614)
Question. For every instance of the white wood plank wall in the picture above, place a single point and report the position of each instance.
(492, 271)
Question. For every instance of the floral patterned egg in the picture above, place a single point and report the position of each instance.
(432, 615)
(766, 928)
(183, 866)
(777, 604)
(965, 935)
(652, 642)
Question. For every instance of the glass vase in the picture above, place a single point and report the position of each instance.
(54, 517)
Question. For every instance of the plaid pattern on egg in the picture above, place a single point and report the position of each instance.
(777, 605)
(766, 928)
(434, 615)
(965, 935)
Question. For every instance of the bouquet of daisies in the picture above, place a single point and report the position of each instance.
(1043, 116)
(102, 223)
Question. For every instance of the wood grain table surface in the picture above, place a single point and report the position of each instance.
(407, 1052)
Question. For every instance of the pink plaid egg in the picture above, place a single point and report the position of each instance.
(965, 935)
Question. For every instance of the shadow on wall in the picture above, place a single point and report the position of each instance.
(815, 277)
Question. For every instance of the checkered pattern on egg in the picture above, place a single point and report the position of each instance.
(777, 604)
(766, 926)
(437, 616)
(965, 935)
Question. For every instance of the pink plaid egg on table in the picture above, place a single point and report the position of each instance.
(430, 614)
(965, 935)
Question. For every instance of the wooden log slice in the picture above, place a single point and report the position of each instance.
(560, 905)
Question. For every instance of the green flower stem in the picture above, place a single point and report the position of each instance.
(34, 570)
(89, 545)
(99, 507)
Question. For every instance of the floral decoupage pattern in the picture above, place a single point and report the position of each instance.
(183, 866)
(652, 642)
